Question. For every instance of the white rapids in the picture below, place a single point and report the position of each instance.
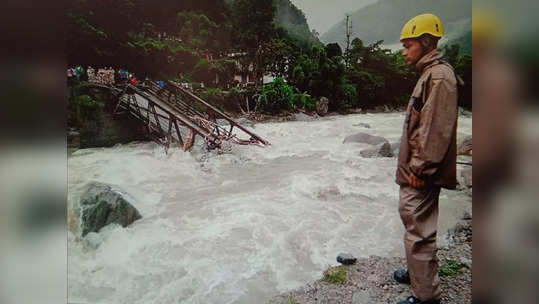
(243, 226)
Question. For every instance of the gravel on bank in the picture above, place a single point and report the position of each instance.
(370, 281)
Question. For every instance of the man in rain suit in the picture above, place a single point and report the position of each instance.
(427, 157)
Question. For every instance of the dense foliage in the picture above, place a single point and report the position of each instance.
(145, 37)
(195, 41)
(277, 96)
(381, 76)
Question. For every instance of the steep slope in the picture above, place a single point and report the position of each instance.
(383, 20)
(292, 19)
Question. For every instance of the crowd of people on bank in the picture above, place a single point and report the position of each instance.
(104, 76)
(109, 76)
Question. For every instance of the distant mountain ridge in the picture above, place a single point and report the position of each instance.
(384, 19)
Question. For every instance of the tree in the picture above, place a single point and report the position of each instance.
(380, 76)
(321, 75)
(253, 27)
(278, 55)
(148, 39)
(276, 96)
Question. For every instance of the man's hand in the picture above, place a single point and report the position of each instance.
(416, 182)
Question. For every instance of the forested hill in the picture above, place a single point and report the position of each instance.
(292, 20)
(384, 19)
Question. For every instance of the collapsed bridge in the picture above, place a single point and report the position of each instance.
(173, 115)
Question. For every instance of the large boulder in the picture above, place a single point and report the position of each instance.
(322, 106)
(465, 146)
(364, 138)
(382, 150)
(103, 204)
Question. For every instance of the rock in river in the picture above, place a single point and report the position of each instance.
(364, 138)
(346, 259)
(382, 150)
(103, 204)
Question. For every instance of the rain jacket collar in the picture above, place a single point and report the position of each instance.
(429, 59)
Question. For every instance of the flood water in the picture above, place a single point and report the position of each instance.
(243, 226)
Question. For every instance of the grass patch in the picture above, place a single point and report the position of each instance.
(335, 275)
(450, 268)
(291, 300)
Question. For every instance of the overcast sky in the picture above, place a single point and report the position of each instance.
(322, 14)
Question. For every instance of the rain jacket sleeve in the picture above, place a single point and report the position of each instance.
(431, 139)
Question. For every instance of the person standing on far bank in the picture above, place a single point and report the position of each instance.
(427, 157)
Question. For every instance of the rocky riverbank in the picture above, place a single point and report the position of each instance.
(370, 281)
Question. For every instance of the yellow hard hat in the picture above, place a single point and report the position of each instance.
(423, 24)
